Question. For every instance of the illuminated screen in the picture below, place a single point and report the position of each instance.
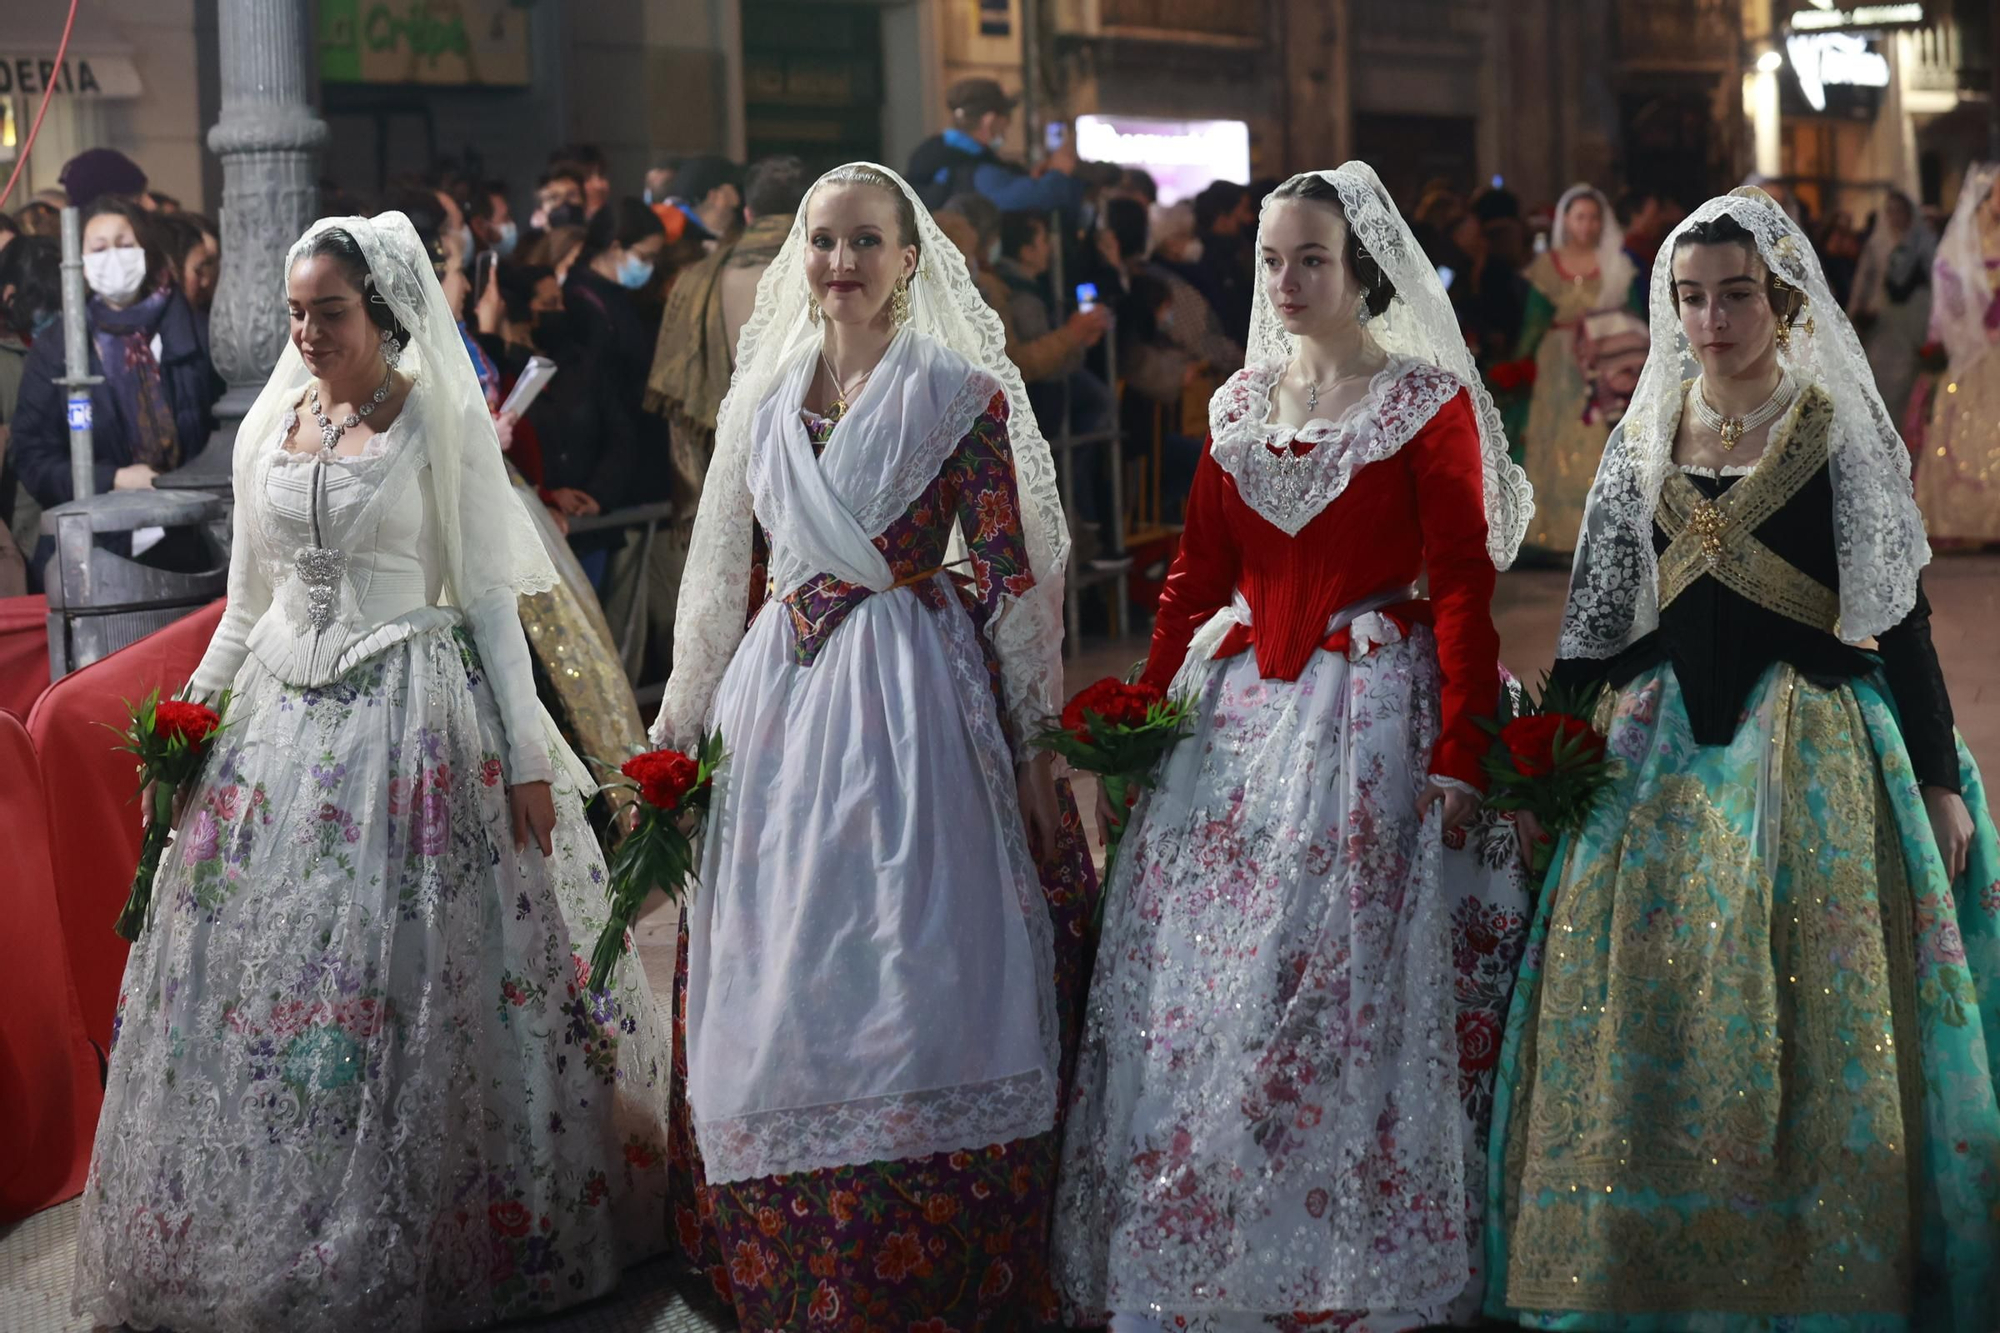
(1184, 156)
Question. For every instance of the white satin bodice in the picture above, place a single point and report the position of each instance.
(378, 509)
(374, 508)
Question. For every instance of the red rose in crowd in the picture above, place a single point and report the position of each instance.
(664, 776)
(189, 722)
(1531, 742)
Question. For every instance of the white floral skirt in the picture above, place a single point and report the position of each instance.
(357, 1081)
(1297, 977)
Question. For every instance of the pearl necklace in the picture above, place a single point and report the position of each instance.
(1731, 430)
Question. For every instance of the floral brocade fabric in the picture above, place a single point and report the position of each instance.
(358, 1078)
(966, 492)
(1746, 1082)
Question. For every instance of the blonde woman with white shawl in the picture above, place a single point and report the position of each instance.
(1584, 273)
(882, 959)
(1958, 477)
(358, 1082)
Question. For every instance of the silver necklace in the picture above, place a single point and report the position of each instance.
(1313, 390)
(329, 433)
(1731, 430)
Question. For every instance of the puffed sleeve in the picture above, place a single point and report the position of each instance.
(1444, 464)
(1202, 579)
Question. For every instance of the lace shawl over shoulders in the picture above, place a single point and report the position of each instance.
(1289, 489)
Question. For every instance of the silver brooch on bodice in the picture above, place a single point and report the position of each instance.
(320, 569)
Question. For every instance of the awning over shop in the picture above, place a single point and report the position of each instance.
(98, 63)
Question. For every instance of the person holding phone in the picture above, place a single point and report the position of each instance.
(966, 156)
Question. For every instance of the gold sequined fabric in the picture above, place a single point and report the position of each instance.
(1958, 469)
(1718, 1075)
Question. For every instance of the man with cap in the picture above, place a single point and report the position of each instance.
(97, 172)
(966, 157)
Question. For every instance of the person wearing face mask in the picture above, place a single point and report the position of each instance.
(152, 412)
(492, 220)
(559, 198)
(1274, 1122)
(966, 156)
(620, 249)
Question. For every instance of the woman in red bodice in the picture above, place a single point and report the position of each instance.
(1312, 931)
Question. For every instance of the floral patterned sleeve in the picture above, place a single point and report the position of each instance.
(978, 480)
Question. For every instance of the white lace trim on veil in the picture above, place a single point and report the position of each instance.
(1879, 535)
(1421, 326)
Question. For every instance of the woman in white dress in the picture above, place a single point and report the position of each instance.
(1958, 474)
(881, 955)
(357, 1081)
(1891, 303)
(1311, 933)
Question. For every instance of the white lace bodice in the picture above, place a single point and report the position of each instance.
(1289, 487)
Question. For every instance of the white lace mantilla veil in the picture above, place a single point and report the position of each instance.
(1419, 324)
(1878, 533)
(1614, 266)
(499, 548)
(945, 306)
(1958, 305)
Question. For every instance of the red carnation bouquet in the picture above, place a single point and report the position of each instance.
(674, 791)
(1118, 731)
(170, 738)
(1548, 761)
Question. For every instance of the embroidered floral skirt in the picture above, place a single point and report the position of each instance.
(1747, 1081)
(1289, 1045)
(356, 1082)
(1958, 476)
(948, 1243)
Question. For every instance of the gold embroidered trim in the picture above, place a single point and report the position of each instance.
(1718, 1082)
(1717, 538)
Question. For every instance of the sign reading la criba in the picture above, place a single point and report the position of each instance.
(483, 42)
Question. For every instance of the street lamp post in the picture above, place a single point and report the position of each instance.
(268, 137)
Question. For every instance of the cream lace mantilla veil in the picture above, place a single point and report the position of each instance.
(1879, 535)
(500, 547)
(1420, 325)
(946, 307)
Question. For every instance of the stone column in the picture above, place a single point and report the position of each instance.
(268, 138)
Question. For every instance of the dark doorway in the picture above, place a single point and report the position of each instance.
(812, 81)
